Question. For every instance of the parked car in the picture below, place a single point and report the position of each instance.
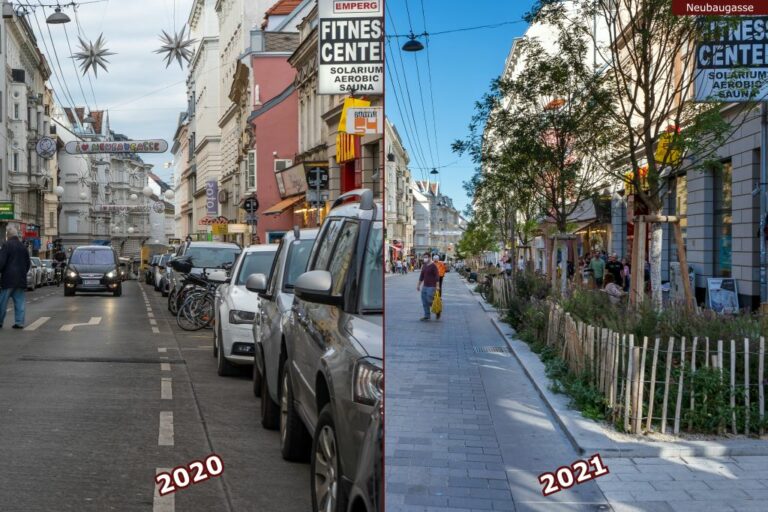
(366, 494)
(37, 264)
(214, 257)
(150, 271)
(159, 271)
(276, 298)
(331, 375)
(93, 268)
(236, 309)
(31, 278)
(50, 272)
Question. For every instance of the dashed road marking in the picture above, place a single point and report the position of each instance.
(162, 350)
(95, 320)
(152, 321)
(155, 330)
(165, 503)
(166, 391)
(165, 435)
(165, 367)
(150, 314)
(37, 323)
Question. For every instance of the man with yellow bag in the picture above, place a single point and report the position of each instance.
(430, 280)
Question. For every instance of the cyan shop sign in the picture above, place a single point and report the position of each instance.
(6, 210)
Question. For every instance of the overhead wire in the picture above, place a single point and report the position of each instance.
(431, 93)
(74, 65)
(418, 151)
(81, 32)
(461, 29)
(421, 96)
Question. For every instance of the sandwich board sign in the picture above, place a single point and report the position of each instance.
(351, 47)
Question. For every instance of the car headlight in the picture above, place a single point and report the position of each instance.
(111, 274)
(368, 385)
(241, 317)
(72, 274)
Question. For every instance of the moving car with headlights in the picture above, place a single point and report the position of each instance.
(275, 301)
(331, 375)
(213, 257)
(236, 309)
(37, 264)
(49, 276)
(93, 268)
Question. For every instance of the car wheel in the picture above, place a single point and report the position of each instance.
(223, 367)
(294, 438)
(118, 291)
(270, 412)
(327, 492)
(173, 306)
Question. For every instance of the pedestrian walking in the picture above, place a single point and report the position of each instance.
(440, 269)
(616, 269)
(14, 265)
(399, 266)
(626, 273)
(597, 265)
(429, 282)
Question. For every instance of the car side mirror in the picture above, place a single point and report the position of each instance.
(316, 286)
(256, 283)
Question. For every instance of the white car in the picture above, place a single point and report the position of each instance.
(50, 273)
(236, 308)
(37, 264)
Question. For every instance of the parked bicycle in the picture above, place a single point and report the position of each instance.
(197, 309)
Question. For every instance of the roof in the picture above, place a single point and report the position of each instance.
(282, 7)
(163, 185)
(261, 248)
(98, 117)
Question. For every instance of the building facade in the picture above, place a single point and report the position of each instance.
(399, 203)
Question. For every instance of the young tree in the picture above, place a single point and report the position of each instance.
(649, 80)
(542, 126)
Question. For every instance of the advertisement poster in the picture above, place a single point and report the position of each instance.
(731, 61)
(212, 198)
(722, 295)
(351, 47)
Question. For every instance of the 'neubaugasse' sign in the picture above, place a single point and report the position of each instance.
(732, 61)
(351, 47)
(128, 146)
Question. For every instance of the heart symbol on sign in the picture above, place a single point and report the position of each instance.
(84, 147)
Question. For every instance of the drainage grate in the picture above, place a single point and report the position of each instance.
(131, 360)
(492, 350)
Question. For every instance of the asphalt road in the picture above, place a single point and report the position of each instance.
(89, 413)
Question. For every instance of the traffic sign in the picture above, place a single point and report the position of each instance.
(251, 204)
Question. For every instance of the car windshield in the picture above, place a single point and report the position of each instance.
(36, 262)
(164, 260)
(255, 263)
(372, 291)
(92, 257)
(48, 263)
(212, 257)
(296, 264)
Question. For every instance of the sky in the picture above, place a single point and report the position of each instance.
(462, 64)
(143, 97)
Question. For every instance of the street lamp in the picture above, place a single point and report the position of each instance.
(147, 191)
(131, 230)
(59, 191)
(133, 197)
(83, 196)
(169, 194)
(413, 44)
(57, 18)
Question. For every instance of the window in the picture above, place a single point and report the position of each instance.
(372, 289)
(51, 223)
(343, 255)
(325, 249)
(92, 257)
(212, 257)
(723, 189)
(250, 173)
(296, 262)
(15, 110)
(255, 263)
(15, 161)
(275, 271)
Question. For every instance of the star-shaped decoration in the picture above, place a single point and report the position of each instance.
(83, 213)
(176, 47)
(92, 55)
(84, 178)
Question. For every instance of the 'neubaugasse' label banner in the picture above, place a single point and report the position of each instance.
(732, 61)
(351, 47)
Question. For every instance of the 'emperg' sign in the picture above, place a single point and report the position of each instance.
(351, 47)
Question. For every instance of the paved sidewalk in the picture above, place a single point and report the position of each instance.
(465, 430)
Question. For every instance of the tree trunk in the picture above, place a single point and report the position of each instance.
(553, 264)
(564, 268)
(654, 255)
(514, 247)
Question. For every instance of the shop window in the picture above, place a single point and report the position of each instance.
(723, 217)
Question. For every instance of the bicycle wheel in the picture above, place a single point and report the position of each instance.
(196, 312)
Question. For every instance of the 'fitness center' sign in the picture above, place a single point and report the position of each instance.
(732, 61)
(351, 47)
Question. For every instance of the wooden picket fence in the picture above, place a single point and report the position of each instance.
(630, 373)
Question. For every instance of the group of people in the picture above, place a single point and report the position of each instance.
(430, 282)
(401, 266)
(607, 273)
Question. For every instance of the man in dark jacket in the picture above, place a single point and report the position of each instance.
(430, 279)
(14, 265)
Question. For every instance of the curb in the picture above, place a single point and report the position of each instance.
(589, 437)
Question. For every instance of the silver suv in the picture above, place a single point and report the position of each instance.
(331, 374)
(213, 257)
(276, 294)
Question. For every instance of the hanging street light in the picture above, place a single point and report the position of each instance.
(59, 191)
(147, 191)
(413, 44)
(434, 171)
(169, 194)
(58, 17)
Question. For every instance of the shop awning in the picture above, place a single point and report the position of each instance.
(284, 205)
(574, 228)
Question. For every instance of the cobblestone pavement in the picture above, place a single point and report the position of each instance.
(467, 431)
